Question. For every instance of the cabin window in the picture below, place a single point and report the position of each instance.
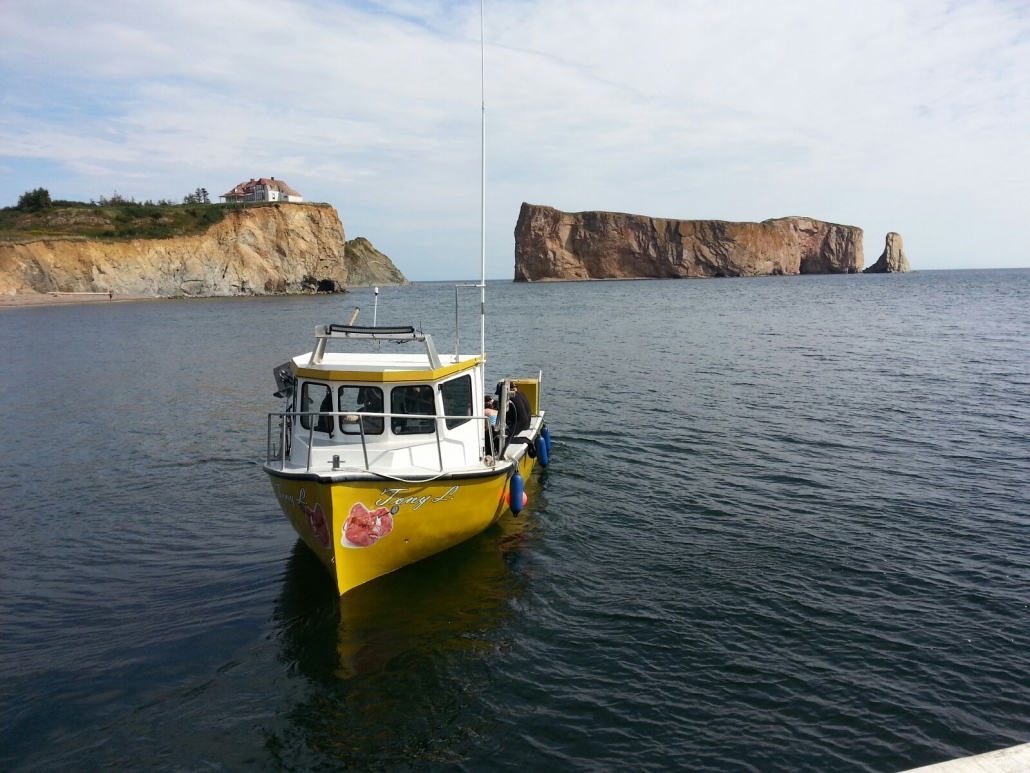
(457, 400)
(316, 397)
(355, 399)
(413, 400)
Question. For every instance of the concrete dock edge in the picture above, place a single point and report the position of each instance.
(1015, 759)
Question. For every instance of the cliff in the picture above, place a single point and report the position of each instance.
(368, 266)
(550, 244)
(282, 248)
(893, 260)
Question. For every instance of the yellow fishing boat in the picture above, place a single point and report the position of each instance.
(382, 459)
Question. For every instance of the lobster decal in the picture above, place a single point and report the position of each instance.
(365, 527)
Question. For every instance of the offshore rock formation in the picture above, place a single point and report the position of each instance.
(551, 245)
(893, 260)
(368, 266)
(282, 248)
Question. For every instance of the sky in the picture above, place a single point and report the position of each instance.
(910, 116)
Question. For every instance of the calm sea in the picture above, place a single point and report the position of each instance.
(786, 527)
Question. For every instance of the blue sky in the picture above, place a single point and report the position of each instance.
(893, 116)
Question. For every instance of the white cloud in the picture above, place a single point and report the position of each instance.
(892, 116)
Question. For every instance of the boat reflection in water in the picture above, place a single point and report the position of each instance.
(446, 606)
(398, 670)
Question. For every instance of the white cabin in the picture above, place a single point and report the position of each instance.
(401, 413)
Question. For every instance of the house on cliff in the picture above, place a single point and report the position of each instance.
(263, 189)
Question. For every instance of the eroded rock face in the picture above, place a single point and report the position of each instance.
(368, 266)
(893, 260)
(285, 248)
(552, 245)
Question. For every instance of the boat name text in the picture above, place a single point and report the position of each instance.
(301, 500)
(390, 497)
(393, 497)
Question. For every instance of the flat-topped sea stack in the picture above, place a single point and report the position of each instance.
(555, 245)
(271, 249)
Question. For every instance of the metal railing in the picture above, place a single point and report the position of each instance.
(290, 419)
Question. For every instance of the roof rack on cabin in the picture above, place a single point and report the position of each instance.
(399, 334)
(356, 331)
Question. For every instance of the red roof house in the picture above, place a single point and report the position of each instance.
(263, 189)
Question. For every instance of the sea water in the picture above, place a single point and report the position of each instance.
(786, 527)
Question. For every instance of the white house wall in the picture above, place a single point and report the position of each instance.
(263, 193)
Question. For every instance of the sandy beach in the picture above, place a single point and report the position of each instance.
(63, 299)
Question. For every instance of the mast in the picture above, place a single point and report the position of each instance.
(482, 193)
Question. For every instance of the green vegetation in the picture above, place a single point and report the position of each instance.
(110, 221)
(34, 201)
(116, 217)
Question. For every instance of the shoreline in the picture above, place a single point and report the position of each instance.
(27, 300)
(35, 300)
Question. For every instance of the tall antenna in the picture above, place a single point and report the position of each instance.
(482, 196)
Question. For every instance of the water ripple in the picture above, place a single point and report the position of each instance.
(785, 529)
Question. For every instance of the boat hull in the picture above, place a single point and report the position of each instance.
(363, 529)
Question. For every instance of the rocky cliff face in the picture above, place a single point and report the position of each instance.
(368, 266)
(550, 244)
(893, 260)
(285, 248)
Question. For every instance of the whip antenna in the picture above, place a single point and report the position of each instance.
(482, 214)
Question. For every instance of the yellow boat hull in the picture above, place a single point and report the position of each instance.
(361, 530)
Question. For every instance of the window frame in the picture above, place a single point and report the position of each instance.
(431, 424)
(306, 421)
(365, 420)
(470, 406)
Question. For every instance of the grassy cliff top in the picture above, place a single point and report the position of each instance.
(69, 219)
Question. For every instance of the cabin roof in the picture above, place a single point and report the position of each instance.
(379, 367)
